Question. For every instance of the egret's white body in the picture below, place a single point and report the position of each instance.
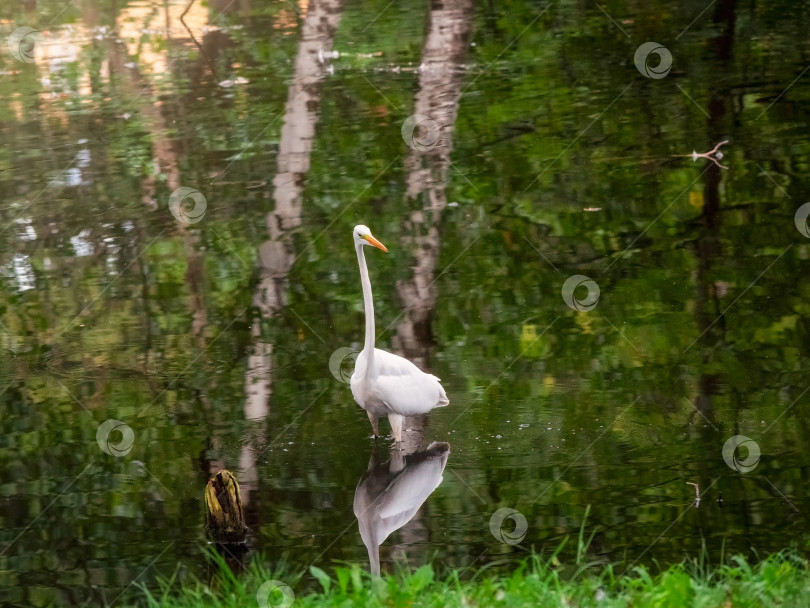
(384, 384)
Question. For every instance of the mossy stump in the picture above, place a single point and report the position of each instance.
(224, 518)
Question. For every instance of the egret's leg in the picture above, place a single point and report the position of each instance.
(375, 424)
(396, 426)
(397, 461)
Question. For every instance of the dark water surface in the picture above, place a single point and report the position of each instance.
(205, 325)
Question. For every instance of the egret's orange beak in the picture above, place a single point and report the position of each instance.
(375, 242)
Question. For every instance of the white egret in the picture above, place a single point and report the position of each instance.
(384, 384)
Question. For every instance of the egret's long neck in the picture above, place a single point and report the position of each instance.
(368, 303)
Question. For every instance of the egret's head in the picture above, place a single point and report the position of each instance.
(363, 236)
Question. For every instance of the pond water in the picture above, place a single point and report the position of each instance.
(614, 298)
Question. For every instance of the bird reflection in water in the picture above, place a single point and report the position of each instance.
(389, 495)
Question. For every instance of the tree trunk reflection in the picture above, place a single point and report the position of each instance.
(277, 254)
(440, 81)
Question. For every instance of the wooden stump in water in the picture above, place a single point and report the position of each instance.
(224, 518)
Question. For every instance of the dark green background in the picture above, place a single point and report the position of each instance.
(702, 273)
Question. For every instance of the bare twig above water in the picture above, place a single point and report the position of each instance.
(697, 492)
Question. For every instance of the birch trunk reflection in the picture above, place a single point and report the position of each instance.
(440, 81)
(277, 254)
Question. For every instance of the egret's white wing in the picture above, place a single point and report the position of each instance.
(405, 388)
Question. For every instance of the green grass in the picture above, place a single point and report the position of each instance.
(780, 580)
